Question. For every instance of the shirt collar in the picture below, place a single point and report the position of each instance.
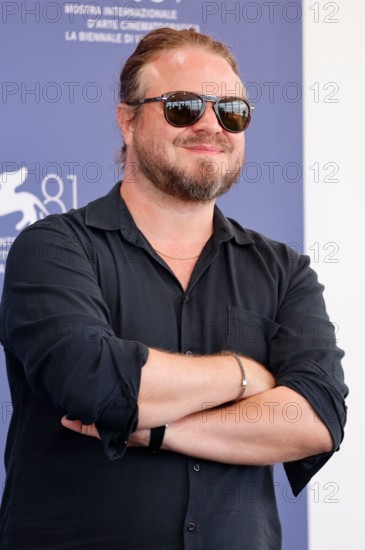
(226, 229)
(111, 213)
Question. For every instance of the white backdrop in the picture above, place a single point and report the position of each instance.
(334, 81)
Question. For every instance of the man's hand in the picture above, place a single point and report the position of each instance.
(79, 427)
(140, 438)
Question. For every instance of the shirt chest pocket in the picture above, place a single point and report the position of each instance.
(250, 333)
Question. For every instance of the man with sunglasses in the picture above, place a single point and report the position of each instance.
(181, 342)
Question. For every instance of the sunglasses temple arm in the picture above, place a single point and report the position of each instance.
(148, 100)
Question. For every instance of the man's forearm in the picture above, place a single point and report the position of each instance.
(278, 425)
(174, 386)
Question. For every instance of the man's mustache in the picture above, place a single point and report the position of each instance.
(217, 141)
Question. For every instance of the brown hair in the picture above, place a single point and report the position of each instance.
(156, 43)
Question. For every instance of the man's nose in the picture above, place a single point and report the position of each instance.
(208, 122)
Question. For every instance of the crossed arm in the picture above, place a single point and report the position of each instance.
(194, 395)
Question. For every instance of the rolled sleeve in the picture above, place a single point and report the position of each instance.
(57, 325)
(305, 357)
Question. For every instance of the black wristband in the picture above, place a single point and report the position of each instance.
(157, 435)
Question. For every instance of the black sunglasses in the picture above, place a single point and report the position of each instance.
(185, 108)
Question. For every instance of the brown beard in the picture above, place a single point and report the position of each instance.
(210, 182)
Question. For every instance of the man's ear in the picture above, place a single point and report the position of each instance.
(126, 121)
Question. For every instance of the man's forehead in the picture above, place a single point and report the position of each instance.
(188, 58)
(192, 69)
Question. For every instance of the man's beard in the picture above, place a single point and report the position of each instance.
(211, 179)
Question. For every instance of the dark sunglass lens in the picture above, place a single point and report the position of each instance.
(234, 114)
(183, 109)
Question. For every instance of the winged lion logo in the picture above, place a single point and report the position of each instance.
(12, 201)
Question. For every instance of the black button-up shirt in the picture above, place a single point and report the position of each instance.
(84, 297)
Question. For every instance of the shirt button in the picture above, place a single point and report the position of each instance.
(187, 299)
(191, 526)
(188, 352)
(196, 467)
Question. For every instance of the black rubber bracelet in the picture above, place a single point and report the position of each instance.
(157, 435)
